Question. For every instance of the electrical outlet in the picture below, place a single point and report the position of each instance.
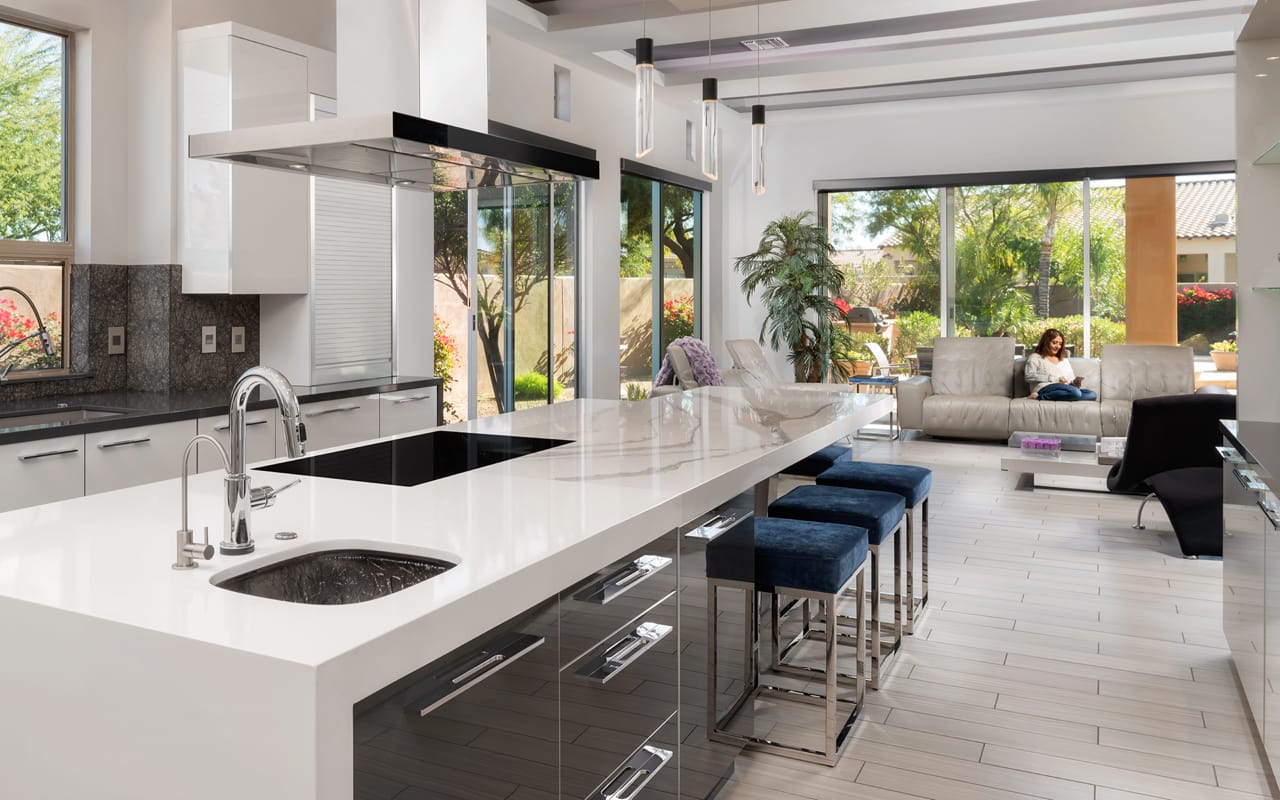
(237, 339)
(115, 340)
(209, 339)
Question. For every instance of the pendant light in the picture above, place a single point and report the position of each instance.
(757, 125)
(710, 118)
(644, 92)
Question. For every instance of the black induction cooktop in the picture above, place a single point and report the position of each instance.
(415, 460)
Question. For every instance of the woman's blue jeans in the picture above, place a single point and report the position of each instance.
(1065, 391)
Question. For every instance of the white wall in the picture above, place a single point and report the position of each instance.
(603, 107)
(1257, 238)
(311, 22)
(1125, 124)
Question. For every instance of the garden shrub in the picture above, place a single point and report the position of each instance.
(915, 329)
(677, 318)
(533, 386)
(1203, 311)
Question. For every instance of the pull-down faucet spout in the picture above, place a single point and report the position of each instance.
(236, 537)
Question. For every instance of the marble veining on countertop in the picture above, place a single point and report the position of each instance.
(141, 408)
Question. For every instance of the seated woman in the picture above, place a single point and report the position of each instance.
(1049, 373)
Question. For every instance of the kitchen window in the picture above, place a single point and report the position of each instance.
(35, 240)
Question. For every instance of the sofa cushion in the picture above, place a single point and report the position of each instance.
(1114, 416)
(971, 417)
(972, 366)
(1133, 371)
(1083, 416)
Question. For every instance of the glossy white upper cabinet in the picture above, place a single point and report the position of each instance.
(244, 230)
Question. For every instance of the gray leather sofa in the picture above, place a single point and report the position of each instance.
(978, 390)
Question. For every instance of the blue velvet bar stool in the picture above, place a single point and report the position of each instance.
(815, 561)
(913, 483)
(882, 514)
(806, 470)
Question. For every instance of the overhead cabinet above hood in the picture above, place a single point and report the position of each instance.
(396, 149)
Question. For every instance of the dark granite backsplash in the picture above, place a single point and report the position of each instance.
(162, 334)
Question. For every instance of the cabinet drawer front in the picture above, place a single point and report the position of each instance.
(261, 431)
(41, 472)
(407, 411)
(332, 423)
(601, 767)
(620, 692)
(491, 727)
(599, 606)
(133, 456)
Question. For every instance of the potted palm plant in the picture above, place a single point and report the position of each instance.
(793, 273)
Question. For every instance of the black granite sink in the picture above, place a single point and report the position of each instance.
(413, 460)
(336, 577)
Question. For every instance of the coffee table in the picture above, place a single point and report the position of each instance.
(1077, 459)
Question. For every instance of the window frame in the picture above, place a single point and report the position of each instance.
(19, 251)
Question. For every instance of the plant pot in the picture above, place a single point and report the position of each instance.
(1224, 362)
(862, 367)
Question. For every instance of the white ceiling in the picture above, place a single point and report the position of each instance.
(856, 51)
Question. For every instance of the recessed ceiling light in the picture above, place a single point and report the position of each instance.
(404, 182)
(1273, 58)
(297, 166)
(1260, 75)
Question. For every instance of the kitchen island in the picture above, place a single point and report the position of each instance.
(122, 678)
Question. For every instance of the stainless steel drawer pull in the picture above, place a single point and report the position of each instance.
(413, 399)
(624, 652)
(492, 661)
(226, 426)
(623, 580)
(335, 410)
(34, 456)
(1249, 480)
(712, 528)
(631, 778)
(123, 442)
(1271, 512)
(1231, 455)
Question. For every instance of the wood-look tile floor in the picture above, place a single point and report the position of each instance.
(1064, 656)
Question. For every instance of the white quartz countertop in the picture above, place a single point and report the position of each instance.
(521, 530)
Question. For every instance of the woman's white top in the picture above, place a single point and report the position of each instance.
(1041, 371)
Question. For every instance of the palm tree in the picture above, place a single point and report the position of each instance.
(1054, 197)
(796, 278)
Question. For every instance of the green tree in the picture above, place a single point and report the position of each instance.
(677, 224)
(30, 135)
(1054, 199)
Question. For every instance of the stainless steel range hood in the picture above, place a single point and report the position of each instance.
(397, 149)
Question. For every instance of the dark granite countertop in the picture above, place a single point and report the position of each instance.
(1259, 443)
(141, 408)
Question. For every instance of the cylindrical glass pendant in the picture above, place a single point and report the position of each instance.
(710, 129)
(644, 97)
(757, 149)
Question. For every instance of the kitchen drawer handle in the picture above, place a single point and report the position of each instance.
(624, 652)
(123, 442)
(334, 410)
(48, 454)
(1231, 455)
(1270, 511)
(623, 580)
(413, 399)
(226, 426)
(638, 771)
(491, 663)
(713, 528)
(1249, 480)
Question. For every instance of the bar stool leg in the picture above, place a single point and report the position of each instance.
(910, 626)
(897, 587)
(924, 554)
(875, 617)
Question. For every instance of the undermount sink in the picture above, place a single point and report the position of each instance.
(336, 576)
(56, 417)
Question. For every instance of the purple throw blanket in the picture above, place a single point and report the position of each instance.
(704, 367)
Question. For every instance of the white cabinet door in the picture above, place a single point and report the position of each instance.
(336, 422)
(133, 456)
(410, 410)
(43, 471)
(261, 431)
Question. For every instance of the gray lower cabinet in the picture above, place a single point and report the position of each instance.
(261, 432)
(408, 411)
(331, 423)
(42, 471)
(479, 724)
(1243, 576)
(134, 456)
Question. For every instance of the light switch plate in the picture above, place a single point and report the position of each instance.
(237, 339)
(209, 339)
(115, 340)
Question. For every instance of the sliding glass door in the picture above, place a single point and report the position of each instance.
(660, 275)
(506, 268)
